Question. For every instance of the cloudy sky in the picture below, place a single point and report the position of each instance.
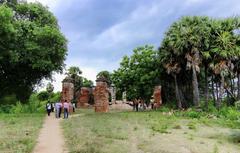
(100, 32)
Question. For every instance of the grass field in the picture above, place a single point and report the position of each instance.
(18, 132)
(153, 132)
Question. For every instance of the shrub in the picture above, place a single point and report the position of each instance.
(192, 114)
(43, 95)
(237, 105)
(5, 108)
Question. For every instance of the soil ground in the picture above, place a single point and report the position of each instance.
(51, 138)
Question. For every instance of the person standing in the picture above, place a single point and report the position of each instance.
(60, 109)
(73, 106)
(52, 110)
(66, 109)
(56, 110)
(58, 106)
(48, 108)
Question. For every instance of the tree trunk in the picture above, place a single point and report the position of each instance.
(195, 88)
(221, 92)
(206, 88)
(179, 103)
(232, 83)
(238, 85)
(213, 91)
(217, 95)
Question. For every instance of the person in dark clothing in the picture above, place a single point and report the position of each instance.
(52, 110)
(48, 108)
(135, 104)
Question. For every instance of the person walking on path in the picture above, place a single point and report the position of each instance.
(58, 107)
(48, 108)
(66, 109)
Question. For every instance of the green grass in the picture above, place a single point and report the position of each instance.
(19, 132)
(153, 131)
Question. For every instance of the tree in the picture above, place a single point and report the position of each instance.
(106, 75)
(187, 39)
(31, 45)
(87, 83)
(137, 73)
(75, 73)
(225, 51)
(43, 95)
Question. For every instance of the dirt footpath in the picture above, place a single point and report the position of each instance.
(51, 138)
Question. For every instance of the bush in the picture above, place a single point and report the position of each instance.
(164, 109)
(43, 95)
(237, 105)
(5, 108)
(8, 100)
(192, 114)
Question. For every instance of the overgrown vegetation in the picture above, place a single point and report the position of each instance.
(36, 103)
(198, 60)
(19, 132)
(154, 131)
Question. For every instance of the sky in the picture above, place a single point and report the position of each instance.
(101, 32)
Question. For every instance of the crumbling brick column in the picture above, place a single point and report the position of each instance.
(83, 98)
(101, 96)
(67, 91)
(157, 96)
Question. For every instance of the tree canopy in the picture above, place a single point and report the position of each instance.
(31, 45)
(138, 73)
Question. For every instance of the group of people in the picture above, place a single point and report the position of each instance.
(59, 107)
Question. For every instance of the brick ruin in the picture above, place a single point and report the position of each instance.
(67, 91)
(157, 96)
(84, 97)
(101, 96)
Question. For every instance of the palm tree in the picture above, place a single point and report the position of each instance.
(224, 50)
(188, 38)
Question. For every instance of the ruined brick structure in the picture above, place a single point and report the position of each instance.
(157, 96)
(83, 98)
(67, 90)
(101, 95)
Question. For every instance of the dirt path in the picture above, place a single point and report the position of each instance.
(51, 138)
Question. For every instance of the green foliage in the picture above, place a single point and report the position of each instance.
(49, 88)
(87, 83)
(33, 106)
(31, 45)
(55, 97)
(138, 73)
(74, 74)
(43, 95)
(229, 113)
(237, 105)
(107, 76)
(192, 114)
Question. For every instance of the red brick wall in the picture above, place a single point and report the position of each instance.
(83, 98)
(157, 96)
(101, 96)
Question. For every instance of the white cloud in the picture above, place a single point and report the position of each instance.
(52, 4)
